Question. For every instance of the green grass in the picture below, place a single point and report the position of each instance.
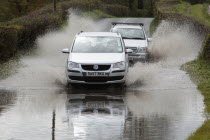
(199, 71)
(203, 133)
(197, 11)
(152, 27)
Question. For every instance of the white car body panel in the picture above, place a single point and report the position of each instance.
(96, 58)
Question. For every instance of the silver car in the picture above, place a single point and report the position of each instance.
(135, 38)
(97, 58)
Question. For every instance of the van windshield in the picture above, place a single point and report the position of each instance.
(97, 45)
(130, 33)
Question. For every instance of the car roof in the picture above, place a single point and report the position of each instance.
(100, 34)
(128, 26)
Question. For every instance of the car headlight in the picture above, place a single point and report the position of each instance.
(142, 49)
(72, 65)
(120, 65)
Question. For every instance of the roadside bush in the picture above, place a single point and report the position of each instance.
(197, 1)
(79, 5)
(64, 7)
(35, 24)
(144, 13)
(116, 10)
(20, 32)
(141, 13)
(96, 14)
(85, 5)
(205, 54)
(8, 42)
(121, 2)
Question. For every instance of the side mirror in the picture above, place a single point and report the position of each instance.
(65, 51)
(129, 51)
(149, 39)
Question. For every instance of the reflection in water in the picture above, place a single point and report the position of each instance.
(108, 113)
(154, 128)
(134, 115)
(53, 125)
(30, 115)
(94, 116)
(166, 114)
(6, 98)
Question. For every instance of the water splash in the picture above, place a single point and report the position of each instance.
(46, 67)
(172, 46)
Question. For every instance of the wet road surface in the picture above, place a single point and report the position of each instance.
(35, 103)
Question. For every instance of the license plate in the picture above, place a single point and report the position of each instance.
(97, 74)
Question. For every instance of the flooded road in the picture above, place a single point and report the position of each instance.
(159, 103)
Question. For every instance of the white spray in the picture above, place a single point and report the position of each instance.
(46, 68)
(171, 47)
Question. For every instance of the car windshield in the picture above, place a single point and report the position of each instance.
(97, 45)
(130, 33)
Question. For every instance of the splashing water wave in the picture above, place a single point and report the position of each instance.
(172, 46)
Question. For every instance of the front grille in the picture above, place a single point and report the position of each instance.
(100, 67)
(96, 79)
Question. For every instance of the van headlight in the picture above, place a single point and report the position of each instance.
(72, 65)
(142, 49)
(120, 65)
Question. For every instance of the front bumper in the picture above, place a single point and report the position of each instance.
(78, 76)
(138, 56)
(91, 81)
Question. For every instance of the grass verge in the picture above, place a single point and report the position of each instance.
(197, 11)
(199, 71)
(152, 27)
(203, 133)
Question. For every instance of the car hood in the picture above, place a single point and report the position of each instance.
(96, 58)
(135, 43)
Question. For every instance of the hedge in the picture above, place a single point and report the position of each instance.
(82, 5)
(35, 24)
(116, 10)
(8, 42)
(205, 53)
(20, 33)
(121, 2)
